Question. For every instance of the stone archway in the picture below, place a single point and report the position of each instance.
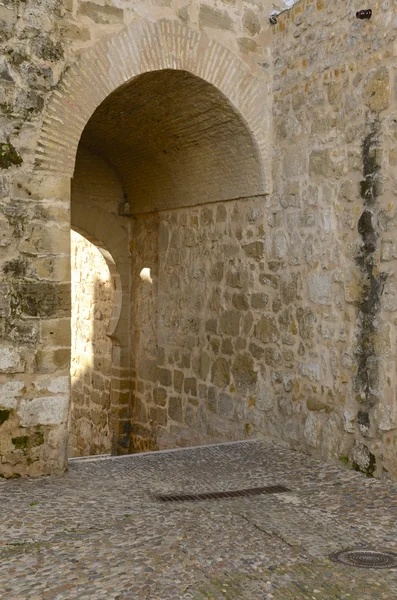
(141, 49)
(165, 141)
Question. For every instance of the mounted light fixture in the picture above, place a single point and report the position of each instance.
(364, 14)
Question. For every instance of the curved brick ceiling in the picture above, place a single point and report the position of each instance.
(174, 140)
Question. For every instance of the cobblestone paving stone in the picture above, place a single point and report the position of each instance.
(99, 533)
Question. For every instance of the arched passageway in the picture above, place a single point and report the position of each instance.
(174, 140)
(166, 172)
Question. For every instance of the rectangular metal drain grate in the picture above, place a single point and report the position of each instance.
(272, 489)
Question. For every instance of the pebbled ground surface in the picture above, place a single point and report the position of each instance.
(99, 533)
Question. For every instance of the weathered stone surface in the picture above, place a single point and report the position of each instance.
(164, 376)
(243, 370)
(10, 360)
(6, 231)
(101, 14)
(266, 330)
(93, 297)
(390, 295)
(220, 372)
(140, 412)
(246, 46)
(259, 301)
(226, 406)
(42, 299)
(256, 351)
(240, 302)
(251, 22)
(312, 430)
(230, 323)
(47, 410)
(254, 250)
(190, 386)
(175, 409)
(377, 90)
(315, 404)
(306, 319)
(319, 285)
(160, 395)
(214, 18)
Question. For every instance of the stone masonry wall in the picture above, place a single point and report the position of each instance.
(275, 317)
(205, 336)
(92, 306)
(333, 212)
(318, 358)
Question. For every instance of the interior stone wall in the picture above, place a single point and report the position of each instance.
(96, 197)
(205, 335)
(91, 364)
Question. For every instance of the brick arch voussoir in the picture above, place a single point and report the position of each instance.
(140, 48)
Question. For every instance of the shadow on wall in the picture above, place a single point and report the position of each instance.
(93, 296)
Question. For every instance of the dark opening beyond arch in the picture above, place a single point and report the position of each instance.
(174, 140)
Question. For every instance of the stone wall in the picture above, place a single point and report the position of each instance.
(92, 307)
(333, 208)
(322, 372)
(205, 334)
(270, 315)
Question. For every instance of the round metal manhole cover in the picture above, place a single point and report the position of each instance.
(366, 559)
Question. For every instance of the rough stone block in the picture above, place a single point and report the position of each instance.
(101, 14)
(6, 231)
(164, 376)
(230, 322)
(160, 395)
(377, 90)
(49, 361)
(190, 386)
(220, 372)
(259, 301)
(319, 285)
(11, 360)
(201, 365)
(247, 45)
(243, 370)
(251, 22)
(47, 410)
(140, 411)
(214, 18)
(240, 302)
(55, 385)
(266, 330)
(225, 406)
(43, 238)
(175, 409)
(312, 431)
(254, 249)
(42, 299)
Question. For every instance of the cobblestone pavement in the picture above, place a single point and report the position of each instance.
(99, 533)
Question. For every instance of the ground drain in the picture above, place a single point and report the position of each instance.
(272, 489)
(366, 559)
